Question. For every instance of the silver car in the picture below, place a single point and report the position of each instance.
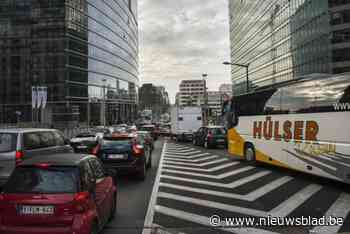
(17, 145)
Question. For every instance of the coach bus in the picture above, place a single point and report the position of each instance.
(302, 125)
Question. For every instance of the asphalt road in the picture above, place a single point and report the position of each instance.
(196, 184)
(133, 199)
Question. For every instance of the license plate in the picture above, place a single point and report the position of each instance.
(36, 210)
(116, 156)
(221, 140)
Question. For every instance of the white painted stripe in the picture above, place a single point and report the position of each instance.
(327, 157)
(196, 164)
(188, 157)
(339, 209)
(151, 205)
(202, 169)
(248, 197)
(202, 220)
(191, 160)
(183, 152)
(211, 204)
(281, 210)
(221, 176)
(231, 185)
(293, 202)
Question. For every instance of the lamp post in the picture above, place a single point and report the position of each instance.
(204, 76)
(246, 66)
(103, 107)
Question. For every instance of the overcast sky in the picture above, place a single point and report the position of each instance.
(182, 39)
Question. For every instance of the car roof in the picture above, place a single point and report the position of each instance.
(25, 130)
(68, 159)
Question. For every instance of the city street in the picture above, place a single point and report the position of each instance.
(133, 197)
(195, 184)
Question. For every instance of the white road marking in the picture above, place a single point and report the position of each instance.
(287, 206)
(202, 169)
(192, 160)
(187, 153)
(221, 176)
(150, 210)
(281, 210)
(231, 185)
(339, 209)
(252, 196)
(202, 220)
(197, 164)
(188, 157)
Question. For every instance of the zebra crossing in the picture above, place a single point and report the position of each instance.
(192, 185)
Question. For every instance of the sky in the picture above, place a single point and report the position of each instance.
(182, 39)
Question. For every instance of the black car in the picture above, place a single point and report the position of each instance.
(125, 153)
(210, 137)
(84, 142)
(152, 129)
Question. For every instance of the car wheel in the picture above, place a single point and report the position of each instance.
(194, 142)
(114, 208)
(94, 228)
(249, 153)
(142, 173)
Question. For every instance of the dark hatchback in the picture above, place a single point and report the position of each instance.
(84, 142)
(124, 153)
(210, 137)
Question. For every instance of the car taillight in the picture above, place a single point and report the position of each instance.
(19, 156)
(137, 149)
(95, 150)
(210, 135)
(81, 202)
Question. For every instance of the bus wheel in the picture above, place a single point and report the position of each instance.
(249, 153)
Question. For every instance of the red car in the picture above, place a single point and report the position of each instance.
(58, 194)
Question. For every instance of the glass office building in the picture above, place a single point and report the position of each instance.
(282, 40)
(84, 51)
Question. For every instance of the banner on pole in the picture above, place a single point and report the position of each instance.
(34, 97)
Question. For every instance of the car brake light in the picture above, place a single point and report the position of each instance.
(137, 149)
(95, 150)
(42, 165)
(210, 135)
(81, 200)
(19, 157)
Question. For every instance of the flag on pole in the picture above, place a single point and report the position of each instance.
(44, 97)
(34, 97)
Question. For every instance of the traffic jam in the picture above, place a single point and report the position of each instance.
(54, 185)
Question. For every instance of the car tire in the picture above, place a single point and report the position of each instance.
(249, 153)
(114, 208)
(142, 173)
(94, 228)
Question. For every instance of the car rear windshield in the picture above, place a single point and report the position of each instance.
(218, 131)
(116, 143)
(8, 142)
(51, 180)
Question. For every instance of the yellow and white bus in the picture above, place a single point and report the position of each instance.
(302, 125)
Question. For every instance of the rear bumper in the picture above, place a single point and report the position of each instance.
(124, 167)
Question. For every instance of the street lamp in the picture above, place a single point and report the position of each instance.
(103, 112)
(246, 66)
(204, 76)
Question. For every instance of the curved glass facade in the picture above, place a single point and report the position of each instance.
(84, 51)
(282, 40)
(103, 51)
